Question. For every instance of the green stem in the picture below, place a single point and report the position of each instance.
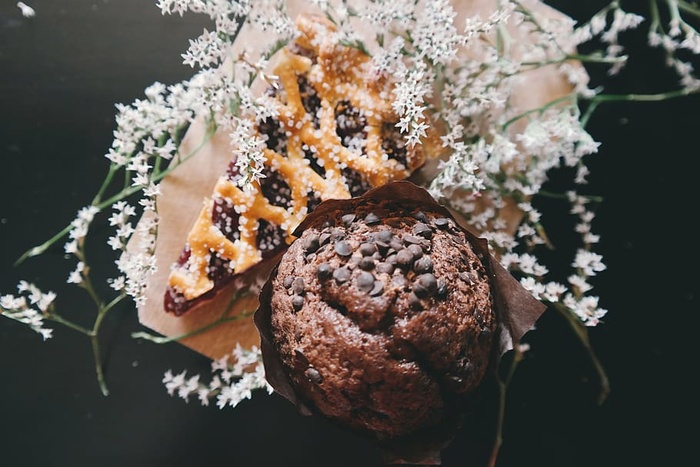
(575, 57)
(223, 318)
(582, 334)
(501, 414)
(40, 249)
(105, 183)
(688, 8)
(205, 328)
(69, 324)
(541, 109)
(657, 97)
(661, 96)
(94, 340)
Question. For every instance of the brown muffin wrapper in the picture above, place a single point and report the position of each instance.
(516, 310)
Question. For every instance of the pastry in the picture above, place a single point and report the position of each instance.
(335, 138)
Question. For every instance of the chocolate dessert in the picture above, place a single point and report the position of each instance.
(382, 319)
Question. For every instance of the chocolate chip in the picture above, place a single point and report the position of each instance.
(368, 249)
(419, 290)
(442, 288)
(396, 244)
(365, 281)
(425, 285)
(414, 302)
(313, 375)
(342, 274)
(324, 238)
(404, 258)
(372, 218)
(422, 230)
(412, 239)
(298, 286)
(366, 263)
(311, 243)
(383, 236)
(420, 216)
(423, 265)
(343, 248)
(287, 281)
(324, 271)
(337, 234)
(377, 288)
(348, 219)
(399, 280)
(297, 302)
(386, 268)
(442, 222)
(416, 250)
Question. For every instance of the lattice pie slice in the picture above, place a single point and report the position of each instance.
(336, 137)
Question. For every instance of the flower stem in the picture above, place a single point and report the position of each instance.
(657, 97)
(40, 249)
(689, 8)
(164, 340)
(540, 110)
(582, 334)
(69, 324)
(223, 318)
(99, 370)
(124, 193)
(501, 414)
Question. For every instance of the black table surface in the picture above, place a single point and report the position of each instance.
(62, 72)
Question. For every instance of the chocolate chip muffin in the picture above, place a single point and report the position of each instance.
(383, 318)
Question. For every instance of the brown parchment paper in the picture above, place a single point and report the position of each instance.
(516, 310)
(183, 192)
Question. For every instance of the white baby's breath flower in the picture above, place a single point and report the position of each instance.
(234, 378)
(586, 308)
(588, 263)
(31, 307)
(27, 11)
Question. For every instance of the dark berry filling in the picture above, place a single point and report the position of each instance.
(270, 238)
(350, 125)
(276, 190)
(394, 143)
(273, 134)
(225, 218)
(309, 99)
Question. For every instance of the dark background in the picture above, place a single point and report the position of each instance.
(61, 74)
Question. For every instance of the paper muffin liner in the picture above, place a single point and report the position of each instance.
(515, 308)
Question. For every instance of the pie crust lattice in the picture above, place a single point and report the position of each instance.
(335, 137)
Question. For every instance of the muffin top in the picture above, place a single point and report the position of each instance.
(382, 318)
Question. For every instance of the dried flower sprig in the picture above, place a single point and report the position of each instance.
(234, 378)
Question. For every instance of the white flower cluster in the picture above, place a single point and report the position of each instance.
(30, 307)
(77, 234)
(27, 11)
(137, 263)
(234, 379)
